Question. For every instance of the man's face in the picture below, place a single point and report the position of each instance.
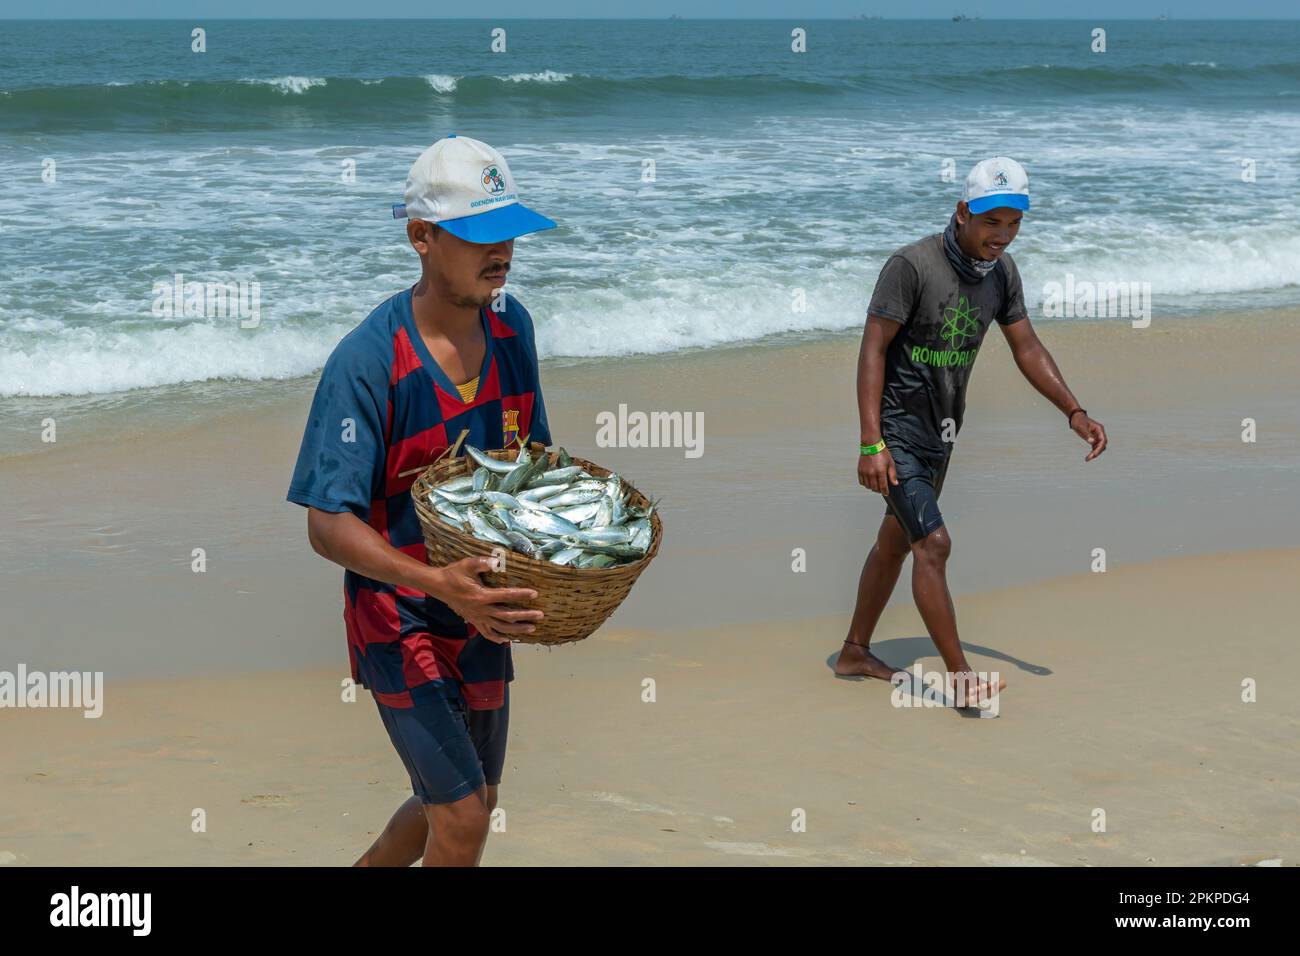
(465, 273)
(988, 234)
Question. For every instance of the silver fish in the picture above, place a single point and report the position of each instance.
(485, 531)
(563, 459)
(500, 499)
(521, 543)
(458, 497)
(518, 479)
(579, 513)
(445, 509)
(557, 474)
(536, 494)
(543, 522)
(573, 497)
(604, 514)
(604, 536)
(641, 534)
(589, 560)
(481, 478)
(463, 483)
(484, 460)
(566, 556)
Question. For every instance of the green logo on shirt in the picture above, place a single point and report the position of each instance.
(960, 324)
(941, 358)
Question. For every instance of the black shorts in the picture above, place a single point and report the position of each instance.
(449, 750)
(914, 501)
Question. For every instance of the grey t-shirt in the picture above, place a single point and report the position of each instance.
(943, 319)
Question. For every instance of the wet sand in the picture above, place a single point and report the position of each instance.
(1124, 687)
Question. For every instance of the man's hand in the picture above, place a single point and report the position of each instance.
(877, 471)
(461, 589)
(1090, 431)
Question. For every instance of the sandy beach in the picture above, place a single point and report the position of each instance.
(1124, 687)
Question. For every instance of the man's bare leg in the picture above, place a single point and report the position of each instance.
(930, 590)
(458, 831)
(403, 840)
(879, 575)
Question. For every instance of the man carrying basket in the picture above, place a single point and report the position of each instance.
(451, 353)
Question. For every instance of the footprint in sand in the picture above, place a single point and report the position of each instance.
(266, 800)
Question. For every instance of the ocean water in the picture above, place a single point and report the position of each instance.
(776, 175)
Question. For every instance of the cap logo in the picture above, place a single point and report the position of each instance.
(1001, 178)
(494, 184)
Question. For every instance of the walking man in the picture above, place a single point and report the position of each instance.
(932, 304)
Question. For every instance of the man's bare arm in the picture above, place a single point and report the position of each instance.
(1038, 367)
(348, 541)
(874, 471)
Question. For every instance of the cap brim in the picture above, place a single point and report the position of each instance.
(1008, 200)
(498, 225)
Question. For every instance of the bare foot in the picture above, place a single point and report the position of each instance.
(971, 690)
(858, 661)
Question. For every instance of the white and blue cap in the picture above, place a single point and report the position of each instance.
(1000, 181)
(466, 188)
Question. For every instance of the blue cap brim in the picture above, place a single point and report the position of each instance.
(1009, 200)
(498, 225)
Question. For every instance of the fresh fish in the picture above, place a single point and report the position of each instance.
(536, 494)
(547, 508)
(449, 512)
(524, 472)
(485, 531)
(463, 483)
(604, 514)
(459, 497)
(573, 497)
(521, 543)
(557, 475)
(500, 499)
(604, 535)
(484, 460)
(579, 513)
(543, 522)
(641, 534)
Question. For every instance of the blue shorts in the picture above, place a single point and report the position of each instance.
(449, 750)
(914, 501)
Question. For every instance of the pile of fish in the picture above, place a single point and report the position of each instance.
(562, 514)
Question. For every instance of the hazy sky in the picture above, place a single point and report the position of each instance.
(780, 9)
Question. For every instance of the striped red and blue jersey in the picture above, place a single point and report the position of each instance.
(382, 411)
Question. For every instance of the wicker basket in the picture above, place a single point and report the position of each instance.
(574, 601)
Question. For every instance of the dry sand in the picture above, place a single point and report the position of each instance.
(1124, 687)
